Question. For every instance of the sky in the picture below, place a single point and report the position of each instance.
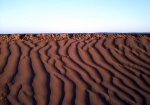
(74, 16)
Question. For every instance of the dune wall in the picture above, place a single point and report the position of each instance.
(104, 71)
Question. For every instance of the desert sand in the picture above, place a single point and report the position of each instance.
(99, 70)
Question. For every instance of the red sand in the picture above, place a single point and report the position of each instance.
(93, 71)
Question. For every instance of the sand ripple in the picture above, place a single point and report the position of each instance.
(114, 70)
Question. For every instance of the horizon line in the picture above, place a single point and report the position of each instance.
(82, 33)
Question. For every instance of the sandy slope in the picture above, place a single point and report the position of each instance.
(102, 71)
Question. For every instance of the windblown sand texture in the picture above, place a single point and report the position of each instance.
(94, 71)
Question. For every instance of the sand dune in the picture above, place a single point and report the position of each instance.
(104, 71)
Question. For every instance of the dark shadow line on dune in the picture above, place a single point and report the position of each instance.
(124, 102)
(131, 53)
(114, 68)
(81, 61)
(75, 61)
(101, 55)
(47, 74)
(114, 43)
(57, 48)
(140, 69)
(93, 68)
(147, 55)
(139, 94)
(31, 82)
(122, 91)
(56, 67)
(142, 60)
(129, 71)
(2, 69)
(121, 63)
(104, 100)
(80, 77)
(117, 69)
(69, 46)
(17, 64)
(87, 99)
(131, 79)
(62, 90)
(143, 80)
(73, 92)
(46, 53)
(32, 75)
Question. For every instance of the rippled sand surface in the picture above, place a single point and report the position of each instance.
(104, 71)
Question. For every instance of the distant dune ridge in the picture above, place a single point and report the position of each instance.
(62, 36)
(76, 69)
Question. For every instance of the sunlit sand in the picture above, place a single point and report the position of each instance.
(75, 69)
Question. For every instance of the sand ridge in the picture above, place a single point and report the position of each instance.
(75, 70)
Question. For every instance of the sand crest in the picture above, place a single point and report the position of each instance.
(76, 70)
